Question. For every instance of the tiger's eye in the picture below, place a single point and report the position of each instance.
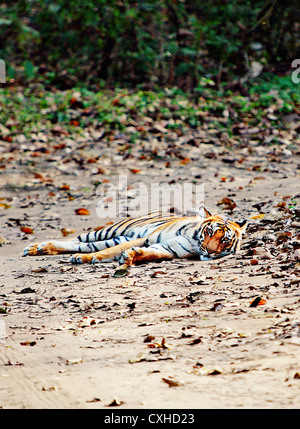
(209, 230)
(227, 238)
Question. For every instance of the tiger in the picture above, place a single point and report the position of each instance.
(154, 236)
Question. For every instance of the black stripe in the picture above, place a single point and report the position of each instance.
(108, 230)
(140, 220)
(116, 226)
(234, 246)
(169, 249)
(130, 224)
(196, 233)
(189, 239)
(184, 227)
(112, 230)
(178, 242)
(90, 246)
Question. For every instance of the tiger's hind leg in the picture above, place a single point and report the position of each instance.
(52, 248)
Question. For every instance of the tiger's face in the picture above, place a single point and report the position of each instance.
(219, 237)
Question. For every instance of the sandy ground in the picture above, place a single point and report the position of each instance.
(177, 334)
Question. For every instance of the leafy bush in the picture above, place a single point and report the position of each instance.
(152, 42)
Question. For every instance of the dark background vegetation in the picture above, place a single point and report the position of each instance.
(115, 64)
(159, 42)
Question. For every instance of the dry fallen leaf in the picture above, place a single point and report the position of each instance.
(155, 274)
(40, 270)
(259, 216)
(74, 122)
(26, 229)
(228, 204)
(64, 187)
(121, 272)
(163, 345)
(82, 212)
(88, 321)
(196, 341)
(149, 338)
(28, 343)
(215, 371)
(257, 301)
(172, 382)
(73, 361)
(94, 400)
(66, 231)
(3, 241)
(39, 176)
(115, 403)
(5, 206)
(98, 228)
(184, 161)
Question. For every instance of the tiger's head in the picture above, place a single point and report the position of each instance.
(219, 236)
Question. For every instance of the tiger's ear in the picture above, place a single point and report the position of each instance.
(204, 213)
(242, 224)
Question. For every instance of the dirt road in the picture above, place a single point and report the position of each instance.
(178, 334)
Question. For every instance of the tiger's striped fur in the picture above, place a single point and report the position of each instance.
(155, 236)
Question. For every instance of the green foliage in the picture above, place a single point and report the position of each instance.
(145, 41)
(127, 111)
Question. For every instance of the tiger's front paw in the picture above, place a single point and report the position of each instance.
(128, 256)
(83, 258)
